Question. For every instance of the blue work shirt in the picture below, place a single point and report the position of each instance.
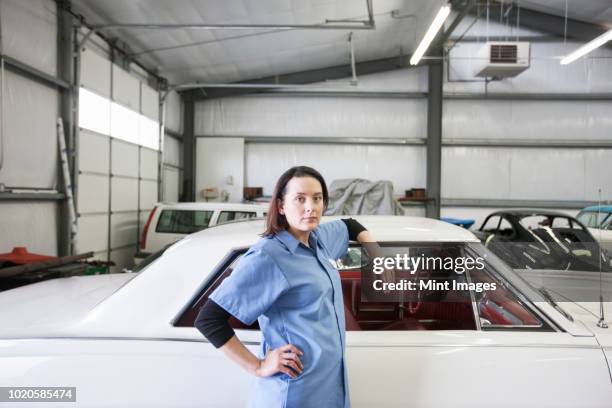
(294, 291)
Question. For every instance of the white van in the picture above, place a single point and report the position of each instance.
(169, 222)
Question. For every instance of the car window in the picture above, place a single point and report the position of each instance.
(491, 224)
(452, 309)
(182, 221)
(594, 219)
(501, 309)
(226, 216)
(190, 313)
(562, 222)
(505, 228)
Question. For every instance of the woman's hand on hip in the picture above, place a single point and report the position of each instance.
(283, 359)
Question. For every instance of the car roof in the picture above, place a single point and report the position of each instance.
(529, 211)
(212, 206)
(598, 208)
(383, 228)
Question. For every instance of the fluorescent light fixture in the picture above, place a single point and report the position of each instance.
(430, 34)
(588, 47)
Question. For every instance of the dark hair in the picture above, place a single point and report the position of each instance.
(275, 221)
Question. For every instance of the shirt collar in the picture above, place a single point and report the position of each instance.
(292, 243)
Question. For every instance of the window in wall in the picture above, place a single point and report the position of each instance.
(94, 112)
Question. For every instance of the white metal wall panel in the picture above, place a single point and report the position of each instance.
(403, 165)
(95, 72)
(550, 174)
(92, 233)
(527, 120)
(526, 174)
(123, 258)
(171, 184)
(124, 195)
(173, 151)
(148, 163)
(92, 193)
(414, 210)
(220, 164)
(475, 172)
(149, 102)
(124, 158)
(29, 32)
(174, 112)
(30, 114)
(31, 224)
(148, 194)
(126, 88)
(93, 152)
(598, 171)
(124, 229)
(303, 116)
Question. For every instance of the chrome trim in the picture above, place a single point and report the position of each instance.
(475, 310)
(395, 345)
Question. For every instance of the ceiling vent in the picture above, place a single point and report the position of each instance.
(502, 59)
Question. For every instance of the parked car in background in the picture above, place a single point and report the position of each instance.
(598, 219)
(539, 239)
(170, 222)
(128, 339)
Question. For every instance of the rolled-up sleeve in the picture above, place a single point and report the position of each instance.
(252, 288)
(335, 237)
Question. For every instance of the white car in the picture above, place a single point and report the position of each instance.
(598, 219)
(170, 222)
(128, 339)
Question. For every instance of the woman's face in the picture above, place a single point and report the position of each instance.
(303, 203)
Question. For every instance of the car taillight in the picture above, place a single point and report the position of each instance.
(143, 239)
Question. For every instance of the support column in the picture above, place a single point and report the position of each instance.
(189, 147)
(434, 133)
(67, 111)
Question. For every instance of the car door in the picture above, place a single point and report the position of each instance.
(515, 355)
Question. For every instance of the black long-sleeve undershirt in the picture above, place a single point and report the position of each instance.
(213, 320)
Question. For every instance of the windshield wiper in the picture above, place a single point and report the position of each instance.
(554, 304)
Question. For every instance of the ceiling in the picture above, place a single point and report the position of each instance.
(221, 56)
(595, 11)
(225, 56)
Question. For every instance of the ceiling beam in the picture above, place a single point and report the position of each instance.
(306, 77)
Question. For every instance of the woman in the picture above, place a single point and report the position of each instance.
(287, 281)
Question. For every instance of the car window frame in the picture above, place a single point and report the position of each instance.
(217, 271)
(548, 325)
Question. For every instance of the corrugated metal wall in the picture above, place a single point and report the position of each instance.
(29, 112)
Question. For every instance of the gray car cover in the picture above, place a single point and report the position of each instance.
(358, 196)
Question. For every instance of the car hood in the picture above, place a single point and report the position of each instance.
(51, 306)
